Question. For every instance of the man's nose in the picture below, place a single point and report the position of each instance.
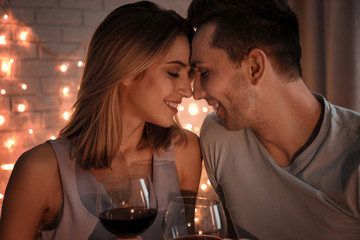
(198, 91)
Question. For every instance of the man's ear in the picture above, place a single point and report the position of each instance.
(256, 58)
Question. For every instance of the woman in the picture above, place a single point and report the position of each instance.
(136, 73)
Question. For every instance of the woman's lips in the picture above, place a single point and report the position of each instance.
(172, 105)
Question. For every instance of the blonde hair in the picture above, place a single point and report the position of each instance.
(125, 44)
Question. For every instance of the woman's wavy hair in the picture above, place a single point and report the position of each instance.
(129, 40)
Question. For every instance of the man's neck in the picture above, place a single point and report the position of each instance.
(292, 124)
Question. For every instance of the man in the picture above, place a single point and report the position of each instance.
(284, 160)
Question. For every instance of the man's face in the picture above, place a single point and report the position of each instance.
(223, 84)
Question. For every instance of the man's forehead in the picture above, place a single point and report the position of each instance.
(204, 34)
(202, 42)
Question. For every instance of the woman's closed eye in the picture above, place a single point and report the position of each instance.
(173, 74)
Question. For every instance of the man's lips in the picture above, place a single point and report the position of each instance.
(215, 106)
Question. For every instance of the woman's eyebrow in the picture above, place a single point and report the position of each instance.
(178, 62)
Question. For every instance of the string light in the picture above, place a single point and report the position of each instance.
(9, 143)
(63, 68)
(181, 108)
(2, 120)
(23, 35)
(66, 115)
(65, 91)
(205, 109)
(8, 167)
(193, 109)
(3, 40)
(6, 64)
(188, 126)
(21, 107)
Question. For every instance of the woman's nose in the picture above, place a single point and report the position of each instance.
(185, 88)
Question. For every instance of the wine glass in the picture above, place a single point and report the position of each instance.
(126, 206)
(194, 218)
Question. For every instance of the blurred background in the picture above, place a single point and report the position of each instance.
(43, 45)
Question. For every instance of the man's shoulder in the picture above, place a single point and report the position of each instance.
(345, 118)
(212, 120)
(212, 126)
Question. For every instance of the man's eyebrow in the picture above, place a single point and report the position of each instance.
(178, 62)
(194, 64)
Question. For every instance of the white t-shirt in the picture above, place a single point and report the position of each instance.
(316, 197)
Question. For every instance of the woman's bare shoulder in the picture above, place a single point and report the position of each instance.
(33, 193)
(189, 148)
(43, 149)
(37, 160)
(191, 140)
(188, 162)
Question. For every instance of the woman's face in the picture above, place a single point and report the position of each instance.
(156, 96)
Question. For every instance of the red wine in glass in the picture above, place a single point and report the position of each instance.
(126, 206)
(127, 222)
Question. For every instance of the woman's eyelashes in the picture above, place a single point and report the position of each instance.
(175, 75)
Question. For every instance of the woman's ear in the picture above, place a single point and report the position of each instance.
(128, 81)
(133, 80)
(256, 58)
